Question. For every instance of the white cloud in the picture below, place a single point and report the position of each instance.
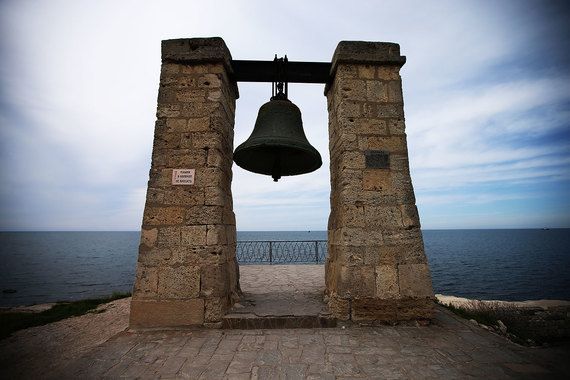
(83, 78)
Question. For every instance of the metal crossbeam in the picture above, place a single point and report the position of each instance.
(297, 72)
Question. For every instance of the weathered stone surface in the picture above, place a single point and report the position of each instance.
(148, 237)
(387, 282)
(178, 282)
(215, 308)
(194, 235)
(160, 313)
(376, 256)
(156, 216)
(188, 232)
(146, 283)
(415, 280)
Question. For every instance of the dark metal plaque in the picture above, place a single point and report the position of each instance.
(377, 159)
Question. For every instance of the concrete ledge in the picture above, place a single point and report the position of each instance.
(151, 313)
(197, 50)
(363, 52)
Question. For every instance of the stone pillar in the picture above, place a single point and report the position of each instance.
(376, 269)
(187, 271)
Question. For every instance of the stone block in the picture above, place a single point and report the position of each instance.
(415, 280)
(169, 69)
(214, 281)
(214, 309)
(352, 89)
(169, 236)
(339, 307)
(191, 96)
(176, 125)
(414, 309)
(146, 282)
(412, 253)
(168, 110)
(387, 286)
(154, 196)
(196, 51)
(198, 124)
(180, 282)
(167, 140)
(377, 180)
(193, 235)
(395, 91)
(357, 282)
(399, 163)
(388, 72)
(374, 255)
(366, 71)
(410, 216)
(198, 109)
(202, 215)
(349, 237)
(349, 108)
(371, 127)
(402, 236)
(352, 160)
(157, 216)
(390, 144)
(184, 196)
(396, 126)
(383, 217)
(390, 110)
(154, 256)
(165, 313)
(351, 215)
(213, 176)
(216, 235)
(197, 255)
(217, 159)
(359, 53)
(215, 196)
(149, 236)
(231, 234)
(374, 309)
(376, 91)
(186, 158)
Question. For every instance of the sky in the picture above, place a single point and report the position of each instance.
(486, 91)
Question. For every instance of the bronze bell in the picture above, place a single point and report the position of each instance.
(278, 145)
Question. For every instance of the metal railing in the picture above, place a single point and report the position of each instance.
(281, 252)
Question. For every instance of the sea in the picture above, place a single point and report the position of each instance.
(526, 264)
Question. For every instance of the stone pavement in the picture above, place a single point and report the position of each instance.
(450, 348)
(280, 296)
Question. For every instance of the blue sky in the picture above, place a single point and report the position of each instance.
(486, 91)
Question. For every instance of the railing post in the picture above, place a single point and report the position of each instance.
(270, 252)
(316, 252)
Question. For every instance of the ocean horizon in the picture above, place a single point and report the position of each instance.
(505, 264)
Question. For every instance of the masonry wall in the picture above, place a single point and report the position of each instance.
(187, 272)
(377, 268)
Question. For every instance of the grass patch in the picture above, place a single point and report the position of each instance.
(14, 321)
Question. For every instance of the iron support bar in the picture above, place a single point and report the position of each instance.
(297, 72)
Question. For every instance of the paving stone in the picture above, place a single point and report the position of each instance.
(448, 348)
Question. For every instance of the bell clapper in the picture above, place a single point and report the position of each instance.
(276, 170)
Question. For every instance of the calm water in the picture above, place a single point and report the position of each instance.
(487, 264)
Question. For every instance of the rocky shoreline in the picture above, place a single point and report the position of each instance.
(532, 323)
